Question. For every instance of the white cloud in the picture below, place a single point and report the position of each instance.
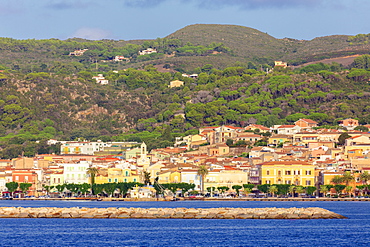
(92, 33)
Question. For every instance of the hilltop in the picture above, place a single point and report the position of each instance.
(184, 50)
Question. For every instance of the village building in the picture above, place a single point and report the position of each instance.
(306, 124)
(77, 52)
(349, 123)
(147, 51)
(287, 172)
(100, 79)
(176, 83)
(281, 64)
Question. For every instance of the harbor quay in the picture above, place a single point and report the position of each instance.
(169, 213)
(196, 199)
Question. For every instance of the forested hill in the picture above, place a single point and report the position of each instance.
(185, 50)
(47, 93)
(39, 106)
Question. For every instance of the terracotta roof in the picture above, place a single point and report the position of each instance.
(248, 135)
(232, 127)
(353, 137)
(285, 163)
(286, 126)
(308, 121)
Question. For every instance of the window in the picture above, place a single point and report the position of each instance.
(308, 182)
(116, 180)
(288, 182)
(308, 172)
(125, 180)
(126, 173)
(268, 182)
(279, 173)
(288, 173)
(267, 173)
(109, 180)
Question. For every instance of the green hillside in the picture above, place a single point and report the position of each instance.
(47, 93)
(184, 50)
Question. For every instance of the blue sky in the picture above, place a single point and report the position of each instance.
(149, 19)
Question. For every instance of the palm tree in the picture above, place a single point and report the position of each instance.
(299, 190)
(291, 190)
(347, 178)
(337, 179)
(348, 190)
(247, 191)
(324, 189)
(273, 190)
(147, 178)
(364, 177)
(202, 171)
(92, 171)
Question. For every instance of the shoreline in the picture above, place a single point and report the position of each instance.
(187, 199)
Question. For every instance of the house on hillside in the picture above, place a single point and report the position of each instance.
(147, 51)
(120, 58)
(77, 52)
(281, 64)
(258, 127)
(100, 79)
(193, 76)
(288, 129)
(176, 83)
(349, 123)
(306, 123)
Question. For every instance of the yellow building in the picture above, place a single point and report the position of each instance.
(287, 172)
(327, 176)
(56, 178)
(279, 139)
(231, 176)
(169, 177)
(116, 175)
(360, 148)
(303, 138)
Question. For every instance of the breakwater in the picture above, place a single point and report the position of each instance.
(169, 213)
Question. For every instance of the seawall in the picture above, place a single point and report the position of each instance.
(169, 213)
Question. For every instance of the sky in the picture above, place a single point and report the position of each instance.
(150, 19)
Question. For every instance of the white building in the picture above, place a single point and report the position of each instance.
(147, 51)
(100, 79)
(84, 147)
(76, 172)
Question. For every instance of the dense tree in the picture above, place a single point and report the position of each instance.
(24, 187)
(12, 186)
(237, 188)
(342, 138)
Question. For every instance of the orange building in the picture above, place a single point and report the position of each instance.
(26, 176)
(306, 123)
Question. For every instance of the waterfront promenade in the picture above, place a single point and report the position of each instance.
(197, 199)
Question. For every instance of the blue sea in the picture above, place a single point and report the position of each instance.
(354, 231)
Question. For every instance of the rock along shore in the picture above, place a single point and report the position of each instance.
(169, 213)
